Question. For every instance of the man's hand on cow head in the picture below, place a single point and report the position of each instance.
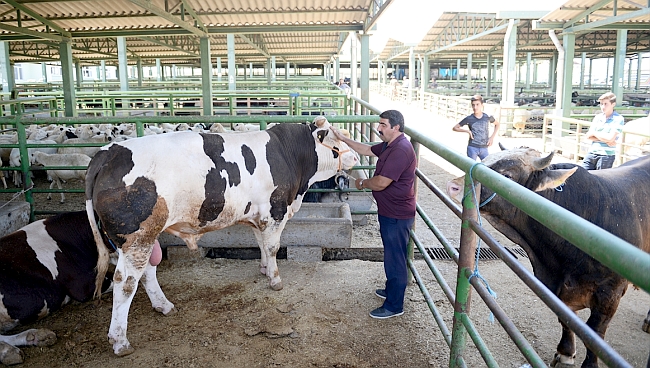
(338, 134)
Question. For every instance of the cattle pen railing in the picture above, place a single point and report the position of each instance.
(615, 253)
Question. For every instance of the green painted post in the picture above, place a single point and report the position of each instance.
(24, 168)
(465, 266)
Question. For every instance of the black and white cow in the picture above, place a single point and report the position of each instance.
(617, 200)
(43, 266)
(189, 183)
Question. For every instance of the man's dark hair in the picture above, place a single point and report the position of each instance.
(478, 98)
(394, 118)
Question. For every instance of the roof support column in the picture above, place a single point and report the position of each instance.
(77, 71)
(469, 70)
(267, 71)
(65, 53)
(121, 57)
(619, 64)
(103, 70)
(564, 84)
(509, 65)
(353, 63)
(583, 63)
(337, 68)
(529, 61)
(552, 66)
(426, 72)
(629, 74)
(206, 76)
(639, 59)
(607, 74)
(287, 70)
(273, 69)
(535, 67)
(158, 71)
(219, 69)
(6, 69)
(365, 67)
(139, 67)
(458, 72)
(488, 84)
(232, 71)
(44, 72)
(250, 70)
(411, 74)
(591, 64)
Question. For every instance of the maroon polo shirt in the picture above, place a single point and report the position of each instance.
(396, 161)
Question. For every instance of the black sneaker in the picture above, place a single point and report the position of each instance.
(381, 293)
(383, 313)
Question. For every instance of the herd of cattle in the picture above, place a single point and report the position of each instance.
(260, 178)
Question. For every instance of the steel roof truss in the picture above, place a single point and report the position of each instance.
(36, 16)
(173, 43)
(464, 27)
(608, 22)
(197, 21)
(257, 42)
(146, 4)
(376, 8)
(587, 12)
(441, 47)
(29, 32)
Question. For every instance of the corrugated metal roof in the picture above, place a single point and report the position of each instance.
(306, 31)
(455, 34)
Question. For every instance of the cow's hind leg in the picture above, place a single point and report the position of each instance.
(158, 299)
(31, 337)
(566, 349)
(260, 242)
(646, 323)
(130, 267)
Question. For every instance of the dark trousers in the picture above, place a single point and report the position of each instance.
(593, 161)
(395, 236)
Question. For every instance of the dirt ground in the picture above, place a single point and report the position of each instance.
(229, 317)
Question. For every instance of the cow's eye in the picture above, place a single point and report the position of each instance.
(508, 176)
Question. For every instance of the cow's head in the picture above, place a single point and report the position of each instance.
(333, 154)
(522, 165)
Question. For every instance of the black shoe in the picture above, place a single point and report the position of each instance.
(383, 313)
(381, 293)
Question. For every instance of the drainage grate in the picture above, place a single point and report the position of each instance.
(485, 253)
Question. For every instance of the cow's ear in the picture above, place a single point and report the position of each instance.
(554, 178)
(321, 135)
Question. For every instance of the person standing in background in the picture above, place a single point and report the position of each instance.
(478, 128)
(603, 133)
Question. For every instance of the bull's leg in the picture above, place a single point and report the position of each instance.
(269, 246)
(566, 349)
(646, 324)
(158, 299)
(130, 267)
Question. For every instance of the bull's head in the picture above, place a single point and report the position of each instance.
(333, 155)
(522, 165)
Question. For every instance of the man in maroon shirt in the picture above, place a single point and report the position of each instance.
(392, 188)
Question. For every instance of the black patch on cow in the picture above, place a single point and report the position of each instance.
(107, 170)
(25, 283)
(249, 158)
(248, 208)
(215, 184)
(291, 154)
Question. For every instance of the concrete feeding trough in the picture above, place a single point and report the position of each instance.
(315, 225)
(13, 216)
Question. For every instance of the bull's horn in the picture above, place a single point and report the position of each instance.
(503, 148)
(543, 162)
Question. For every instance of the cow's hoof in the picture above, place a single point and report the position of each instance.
(263, 270)
(277, 286)
(560, 361)
(40, 337)
(171, 312)
(121, 350)
(10, 355)
(646, 326)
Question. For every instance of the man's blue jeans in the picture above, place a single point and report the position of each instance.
(395, 236)
(474, 152)
(594, 161)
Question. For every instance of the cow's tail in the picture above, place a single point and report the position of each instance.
(102, 251)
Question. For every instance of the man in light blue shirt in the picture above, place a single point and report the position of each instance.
(603, 133)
